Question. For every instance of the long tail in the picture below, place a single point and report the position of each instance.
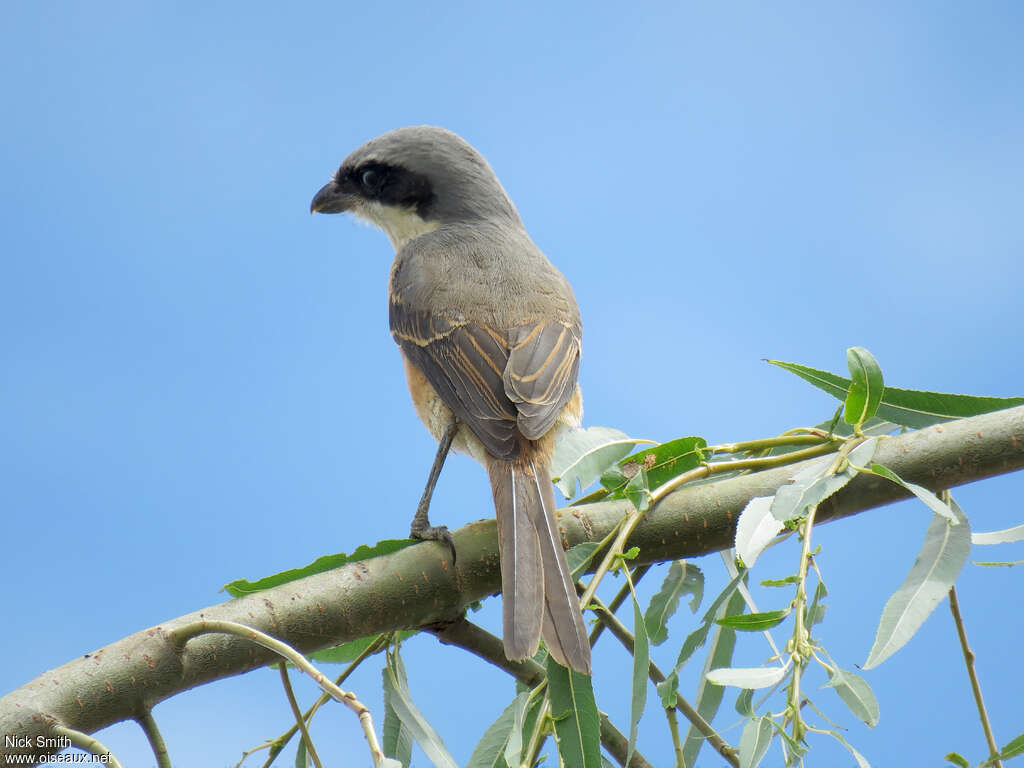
(537, 592)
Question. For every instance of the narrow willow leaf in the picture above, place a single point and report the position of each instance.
(348, 652)
(747, 677)
(815, 483)
(697, 638)
(755, 529)
(957, 759)
(575, 714)
(390, 762)
(396, 738)
(861, 761)
(754, 622)
(937, 505)
(866, 387)
(745, 702)
(682, 579)
(755, 741)
(242, 587)
(667, 460)
(396, 687)
(781, 582)
(641, 666)
(907, 407)
(667, 690)
(302, 755)
(856, 694)
(709, 694)
(998, 563)
(489, 752)
(638, 491)
(1004, 536)
(942, 556)
(579, 557)
(581, 455)
(816, 611)
(1013, 748)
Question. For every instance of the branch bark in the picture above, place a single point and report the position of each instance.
(418, 586)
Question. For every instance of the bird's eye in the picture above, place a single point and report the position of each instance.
(371, 179)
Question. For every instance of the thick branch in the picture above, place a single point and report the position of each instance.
(418, 586)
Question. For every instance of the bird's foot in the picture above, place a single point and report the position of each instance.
(440, 533)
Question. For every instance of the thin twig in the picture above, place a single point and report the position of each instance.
(182, 634)
(657, 676)
(278, 744)
(618, 600)
(958, 620)
(673, 727)
(300, 721)
(156, 741)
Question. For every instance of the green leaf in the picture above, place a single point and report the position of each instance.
(580, 556)
(908, 407)
(396, 738)
(998, 563)
(815, 482)
(581, 455)
(641, 666)
(667, 460)
(755, 741)
(816, 611)
(396, 687)
(856, 695)
(754, 622)
(349, 652)
(781, 582)
(866, 387)
(1013, 748)
(682, 579)
(942, 556)
(638, 491)
(242, 587)
(575, 714)
(697, 637)
(745, 702)
(746, 677)
(937, 505)
(709, 695)
(756, 529)
(667, 689)
(956, 759)
(302, 755)
(489, 752)
(1004, 536)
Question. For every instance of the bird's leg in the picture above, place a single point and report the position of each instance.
(421, 527)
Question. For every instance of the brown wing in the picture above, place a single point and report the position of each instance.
(540, 376)
(464, 364)
(493, 381)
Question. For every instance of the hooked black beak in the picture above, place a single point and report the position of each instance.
(331, 198)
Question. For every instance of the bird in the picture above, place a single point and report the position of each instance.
(490, 334)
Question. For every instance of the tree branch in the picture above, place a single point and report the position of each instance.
(418, 586)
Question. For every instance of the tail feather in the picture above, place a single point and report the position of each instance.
(563, 630)
(537, 591)
(522, 572)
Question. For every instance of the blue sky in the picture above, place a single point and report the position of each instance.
(199, 383)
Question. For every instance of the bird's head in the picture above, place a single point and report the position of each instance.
(411, 181)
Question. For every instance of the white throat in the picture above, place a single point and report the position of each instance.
(400, 224)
